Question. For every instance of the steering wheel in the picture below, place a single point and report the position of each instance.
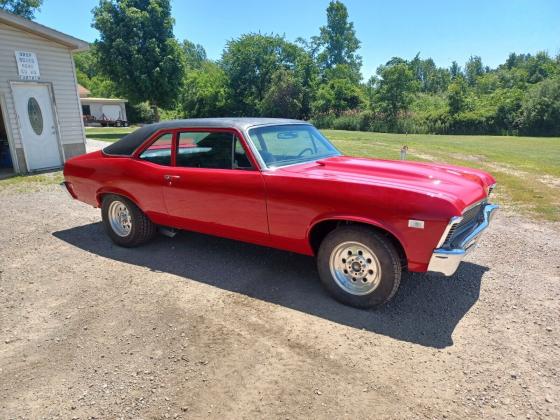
(307, 149)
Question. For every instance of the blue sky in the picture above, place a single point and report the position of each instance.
(444, 30)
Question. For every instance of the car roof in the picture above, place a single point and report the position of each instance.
(238, 123)
(129, 143)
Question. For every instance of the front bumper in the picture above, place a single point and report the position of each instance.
(447, 260)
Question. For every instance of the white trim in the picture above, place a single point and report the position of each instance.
(9, 128)
(42, 31)
(79, 103)
(104, 100)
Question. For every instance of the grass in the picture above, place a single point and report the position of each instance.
(109, 134)
(30, 183)
(527, 168)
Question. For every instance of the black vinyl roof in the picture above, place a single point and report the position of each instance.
(129, 143)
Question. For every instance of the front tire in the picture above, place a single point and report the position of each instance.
(125, 223)
(359, 266)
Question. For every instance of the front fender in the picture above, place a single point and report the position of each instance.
(417, 244)
(356, 219)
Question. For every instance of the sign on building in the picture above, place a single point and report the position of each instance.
(28, 66)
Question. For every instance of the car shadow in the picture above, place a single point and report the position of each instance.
(425, 311)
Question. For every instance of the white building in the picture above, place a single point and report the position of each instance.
(40, 112)
(101, 111)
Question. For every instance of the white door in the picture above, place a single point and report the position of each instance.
(37, 125)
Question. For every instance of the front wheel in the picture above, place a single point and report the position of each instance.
(125, 223)
(359, 266)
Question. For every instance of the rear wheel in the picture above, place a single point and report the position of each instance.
(125, 223)
(359, 266)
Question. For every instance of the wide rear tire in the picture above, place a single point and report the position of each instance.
(125, 223)
(359, 266)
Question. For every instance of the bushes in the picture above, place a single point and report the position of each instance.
(349, 120)
(140, 113)
(373, 121)
(540, 109)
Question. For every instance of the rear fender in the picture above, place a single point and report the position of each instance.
(117, 191)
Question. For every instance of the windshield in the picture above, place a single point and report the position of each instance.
(281, 145)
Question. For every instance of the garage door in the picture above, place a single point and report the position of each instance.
(112, 112)
(37, 125)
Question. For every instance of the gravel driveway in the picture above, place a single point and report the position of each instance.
(200, 327)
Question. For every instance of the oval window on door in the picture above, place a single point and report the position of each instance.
(35, 115)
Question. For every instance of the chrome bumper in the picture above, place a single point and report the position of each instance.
(446, 261)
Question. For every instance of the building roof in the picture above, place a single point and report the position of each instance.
(83, 92)
(129, 143)
(74, 44)
(103, 100)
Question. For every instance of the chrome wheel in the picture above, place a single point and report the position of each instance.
(355, 268)
(119, 218)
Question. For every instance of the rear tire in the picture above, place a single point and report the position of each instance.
(125, 223)
(359, 266)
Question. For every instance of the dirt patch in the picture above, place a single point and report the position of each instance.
(548, 180)
(200, 327)
(94, 145)
(468, 158)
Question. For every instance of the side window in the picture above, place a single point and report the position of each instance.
(159, 151)
(215, 150)
(240, 159)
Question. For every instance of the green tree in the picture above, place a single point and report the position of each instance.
(338, 41)
(205, 92)
(86, 63)
(137, 50)
(23, 8)
(250, 63)
(540, 109)
(473, 69)
(455, 70)
(284, 97)
(456, 95)
(395, 89)
(306, 73)
(195, 54)
(89, 76)
(431, 78)
(338, 93)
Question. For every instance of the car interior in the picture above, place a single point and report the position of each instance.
(219, 150)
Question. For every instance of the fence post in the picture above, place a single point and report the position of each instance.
(403, 152)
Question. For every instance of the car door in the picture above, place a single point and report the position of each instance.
(142, 177)
(214, 187)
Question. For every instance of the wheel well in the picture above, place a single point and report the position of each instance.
(102, 195)
(322, 229)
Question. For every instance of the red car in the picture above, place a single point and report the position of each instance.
(281, 183)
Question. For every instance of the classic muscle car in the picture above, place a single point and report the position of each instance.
(281, 183)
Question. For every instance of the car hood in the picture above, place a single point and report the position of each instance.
(462, 186)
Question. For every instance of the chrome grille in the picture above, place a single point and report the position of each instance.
(471, 218)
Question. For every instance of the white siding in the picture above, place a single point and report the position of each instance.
(56, 66)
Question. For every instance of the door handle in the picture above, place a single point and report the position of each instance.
(170, 178)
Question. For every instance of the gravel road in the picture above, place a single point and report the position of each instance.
(200, 327)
